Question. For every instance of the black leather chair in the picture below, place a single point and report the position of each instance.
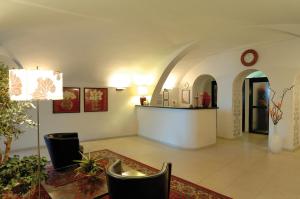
(155, 186)
(63, 148)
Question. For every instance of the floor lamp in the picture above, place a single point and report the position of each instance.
(35, 85)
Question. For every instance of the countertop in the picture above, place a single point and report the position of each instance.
(174, 107)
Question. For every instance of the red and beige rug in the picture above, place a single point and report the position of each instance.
(180, 188)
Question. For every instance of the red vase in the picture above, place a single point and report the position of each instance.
(142, 100)
(205, 99)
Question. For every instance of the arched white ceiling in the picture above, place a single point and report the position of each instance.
(92, 40)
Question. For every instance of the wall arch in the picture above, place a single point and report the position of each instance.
(179, 55)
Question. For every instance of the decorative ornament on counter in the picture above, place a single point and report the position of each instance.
(206, 99)
(143, 100)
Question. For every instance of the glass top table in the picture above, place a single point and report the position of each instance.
(86, 187)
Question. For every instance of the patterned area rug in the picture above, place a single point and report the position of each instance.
(34, 195)
(180, 189)
(60, 178)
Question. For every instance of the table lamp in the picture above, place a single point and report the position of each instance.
(35, 85)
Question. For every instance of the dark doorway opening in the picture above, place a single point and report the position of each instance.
(255, 105)
(259, 105)
(214, 93)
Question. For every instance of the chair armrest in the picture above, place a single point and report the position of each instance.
(116, 168)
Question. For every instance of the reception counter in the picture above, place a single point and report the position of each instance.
(189, 128)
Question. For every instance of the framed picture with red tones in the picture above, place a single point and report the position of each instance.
(95, 99)
(70, 103)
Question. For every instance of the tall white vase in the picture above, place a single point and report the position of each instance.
(275, 141)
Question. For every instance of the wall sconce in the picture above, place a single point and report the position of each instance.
(119, 81)
(120, 88)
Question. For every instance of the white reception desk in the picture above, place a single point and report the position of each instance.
(189, 128)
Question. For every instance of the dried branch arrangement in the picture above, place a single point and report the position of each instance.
(276, 112)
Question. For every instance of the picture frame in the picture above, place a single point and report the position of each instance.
(95, 99)
(165, 97)
(166, 103)
(185, 96)
(70, 102)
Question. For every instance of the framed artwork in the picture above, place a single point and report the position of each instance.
(70, 102)
(95, 99)
(166, 103)
(165, 97)
(185, 96)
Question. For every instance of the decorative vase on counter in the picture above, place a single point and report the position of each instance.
(143, 100)
(275, 141)
(205, 99)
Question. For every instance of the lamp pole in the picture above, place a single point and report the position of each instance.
(38, 144)
(38, 148)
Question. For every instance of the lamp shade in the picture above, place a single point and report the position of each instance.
(35, 85)
(142, 90)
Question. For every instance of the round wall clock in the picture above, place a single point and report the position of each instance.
(249, 57)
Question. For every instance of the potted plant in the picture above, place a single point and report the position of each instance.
(90, 166)
(18, 176)
(205, 99)
(90, 169)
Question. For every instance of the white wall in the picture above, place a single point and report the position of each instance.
(120, 120)
(279, 61)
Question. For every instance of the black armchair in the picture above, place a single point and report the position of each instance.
(136, 187)
(63, 148)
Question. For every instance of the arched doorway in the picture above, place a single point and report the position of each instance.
(250, 103)
(205, 85)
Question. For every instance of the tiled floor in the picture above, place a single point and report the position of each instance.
(241, 168)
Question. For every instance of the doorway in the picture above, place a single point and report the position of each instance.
(256, 94)
(240, 101)
(214, 94)
(259, 105)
